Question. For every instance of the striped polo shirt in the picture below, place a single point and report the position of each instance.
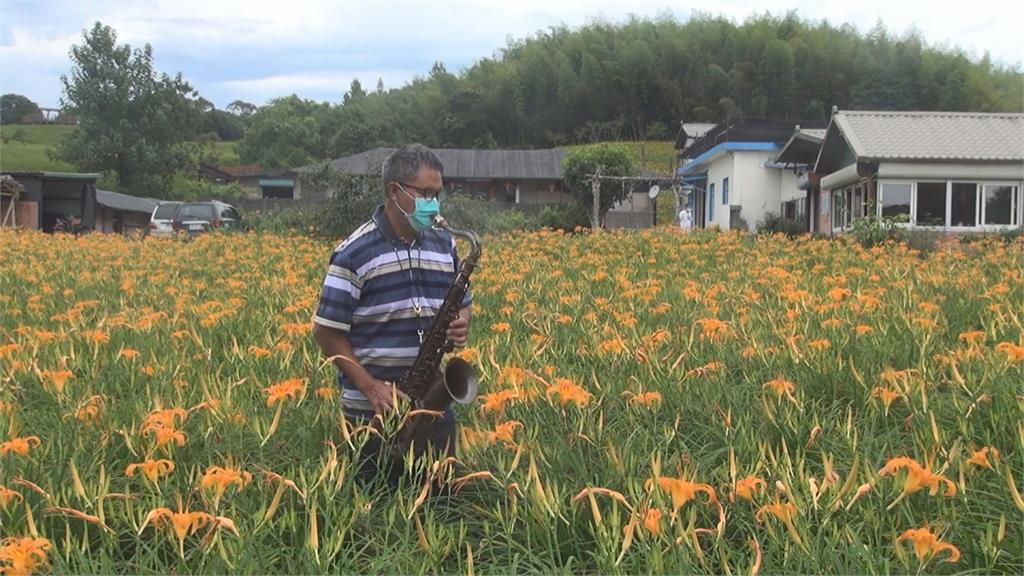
(372, 287)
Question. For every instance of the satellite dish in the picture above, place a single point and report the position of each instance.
(653, 192)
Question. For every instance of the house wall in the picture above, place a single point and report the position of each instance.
(120, 221)
(754, 189)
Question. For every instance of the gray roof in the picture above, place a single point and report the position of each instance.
(811, 133)
(128, 203)
(467, 164)
(875, 136)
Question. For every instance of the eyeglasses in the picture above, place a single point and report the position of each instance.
(423, 192)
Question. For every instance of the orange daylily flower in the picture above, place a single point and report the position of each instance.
(888, 396)
(980, 457)
(862, 329)
(182, 522)
(151, 469)
(20, 446)
(643, 398)
(785, 512)
(780, 386)
(918, 477)
(258, 352)
(652, 521)
(568, 391)
(56, 378)
(163, 425)
(282, 390)
(327, 392)
(682, 491)
(927, 544)
(1013, 352)
(972, 337)
(501, 327)
(747, 487)
(496, 402)
(504, 431)
(23, 556)
(219, 479)
(129, 353)
(7, 496)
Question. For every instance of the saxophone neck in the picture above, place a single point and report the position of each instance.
(468, 235)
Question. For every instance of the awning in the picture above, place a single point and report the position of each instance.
(841, 178)
(276, 182)
(125, 202)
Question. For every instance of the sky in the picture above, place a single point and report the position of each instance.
(258, 50)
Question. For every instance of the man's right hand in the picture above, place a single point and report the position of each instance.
(382, 395)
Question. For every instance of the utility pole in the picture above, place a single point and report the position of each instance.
(595, 189)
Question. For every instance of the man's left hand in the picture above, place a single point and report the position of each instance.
(458, 331)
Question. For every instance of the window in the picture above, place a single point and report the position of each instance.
(964, 207)
(725, 191)
(931, 204)
(1001, 204)
(711, 202)
(895, 199)
(837, 210)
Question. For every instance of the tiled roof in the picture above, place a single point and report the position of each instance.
(465, 163)
(968, 136)
(243, 170)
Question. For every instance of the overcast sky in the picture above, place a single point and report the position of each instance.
(257, 50)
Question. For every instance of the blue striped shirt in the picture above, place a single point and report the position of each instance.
(372, 287)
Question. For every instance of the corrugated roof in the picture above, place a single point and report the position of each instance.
(468, 164)
(875, 136)
(118, 201)
(819, 134)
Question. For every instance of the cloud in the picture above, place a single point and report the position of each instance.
(261, 49)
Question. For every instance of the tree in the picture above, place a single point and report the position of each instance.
(355, 93)
(14, 108)
(242, 109)
(282, 134)
(581, 164)
(131, 120)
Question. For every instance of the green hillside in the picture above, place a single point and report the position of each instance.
(29, 147)
(653, 155)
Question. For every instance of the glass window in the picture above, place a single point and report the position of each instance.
(725, 191)
(837, 210)
(165, 211)
(965, 204)
(931, 204)
(196, 212)
(999, 205)
(895, 199)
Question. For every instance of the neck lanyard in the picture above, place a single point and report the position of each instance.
(417, 304)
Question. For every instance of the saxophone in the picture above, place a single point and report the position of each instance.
(459, 381)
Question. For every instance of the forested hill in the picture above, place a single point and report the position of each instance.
(638, 80)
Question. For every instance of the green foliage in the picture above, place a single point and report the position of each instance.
(775, 224)
(131, 120)
(873, 230)
(15, 107)
(284, 134)
(582, 163)
(190, 189)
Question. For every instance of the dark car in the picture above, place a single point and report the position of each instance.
(199, 217)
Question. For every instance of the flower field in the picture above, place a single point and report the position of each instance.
(650, 402)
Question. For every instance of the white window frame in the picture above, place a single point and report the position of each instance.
(1016, 203)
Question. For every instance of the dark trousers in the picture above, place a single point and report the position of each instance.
(376, 462)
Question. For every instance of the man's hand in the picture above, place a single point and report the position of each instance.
(381, 395)
(458, 331)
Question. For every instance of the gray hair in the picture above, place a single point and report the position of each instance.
(403, 164)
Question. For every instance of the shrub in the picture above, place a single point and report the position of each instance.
(871, 230)
(773, 224)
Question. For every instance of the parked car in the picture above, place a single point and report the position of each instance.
(199, 217)
(161, 223)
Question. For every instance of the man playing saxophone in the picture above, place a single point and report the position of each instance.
(383, 287)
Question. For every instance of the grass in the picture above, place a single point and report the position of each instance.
(29, 148)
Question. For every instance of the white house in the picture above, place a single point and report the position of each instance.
(950, 171)
(735, 177)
